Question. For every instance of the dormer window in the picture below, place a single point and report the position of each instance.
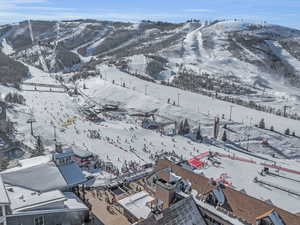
(220, 197)
(211, 199)
(270, 218)
(216, 197)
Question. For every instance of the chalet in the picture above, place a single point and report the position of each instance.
(39, 192)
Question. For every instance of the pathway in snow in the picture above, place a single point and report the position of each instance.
(193, 45)
(6, 48)
(53, 56)
(284, 54)
(41, 57)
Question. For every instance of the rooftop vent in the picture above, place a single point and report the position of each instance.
(212, 181)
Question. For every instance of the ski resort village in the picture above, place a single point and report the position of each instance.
(114, 123)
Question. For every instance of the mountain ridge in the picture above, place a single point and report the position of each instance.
(258, 58)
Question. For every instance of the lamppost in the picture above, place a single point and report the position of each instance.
(54, 127)
(146, 86)
(230, 113)
(178, 95)
(31, 121)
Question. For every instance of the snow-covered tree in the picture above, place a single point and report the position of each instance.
(39, 148)
(262, 124)
(186, 127)
(198, 134)
(287, 131)
(4, 162)
(224, 136)
(15, 98)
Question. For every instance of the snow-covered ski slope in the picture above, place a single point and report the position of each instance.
(157, 96)
(220, 48)
(124, 140)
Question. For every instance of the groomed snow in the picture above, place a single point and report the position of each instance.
(118, 137)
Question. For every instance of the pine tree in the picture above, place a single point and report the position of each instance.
(224, 137)
(294, 134)
(180, 128)
(198, 134)
(272, 128)
(4, 162)
(186, 127)
(10, 128)
(262, 124)
(75, 91)
(15, 98)
(287, 131)
(39, 148)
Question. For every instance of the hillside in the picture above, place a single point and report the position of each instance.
(247, 61)
(131, 92)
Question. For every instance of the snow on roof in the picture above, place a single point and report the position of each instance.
(3, 195)
(76, 150)
(41, 174)
(136, 204)
(219, 195)
(35, 161)
(73, 202)
(42, 178)
(25, 163)
(23, 199)
(81, 152)
(72, 174)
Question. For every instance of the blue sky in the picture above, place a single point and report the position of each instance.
(283, 12)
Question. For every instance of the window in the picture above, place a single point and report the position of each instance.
(39, 220)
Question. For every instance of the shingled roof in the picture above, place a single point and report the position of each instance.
(183, 212)
(242, 205)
